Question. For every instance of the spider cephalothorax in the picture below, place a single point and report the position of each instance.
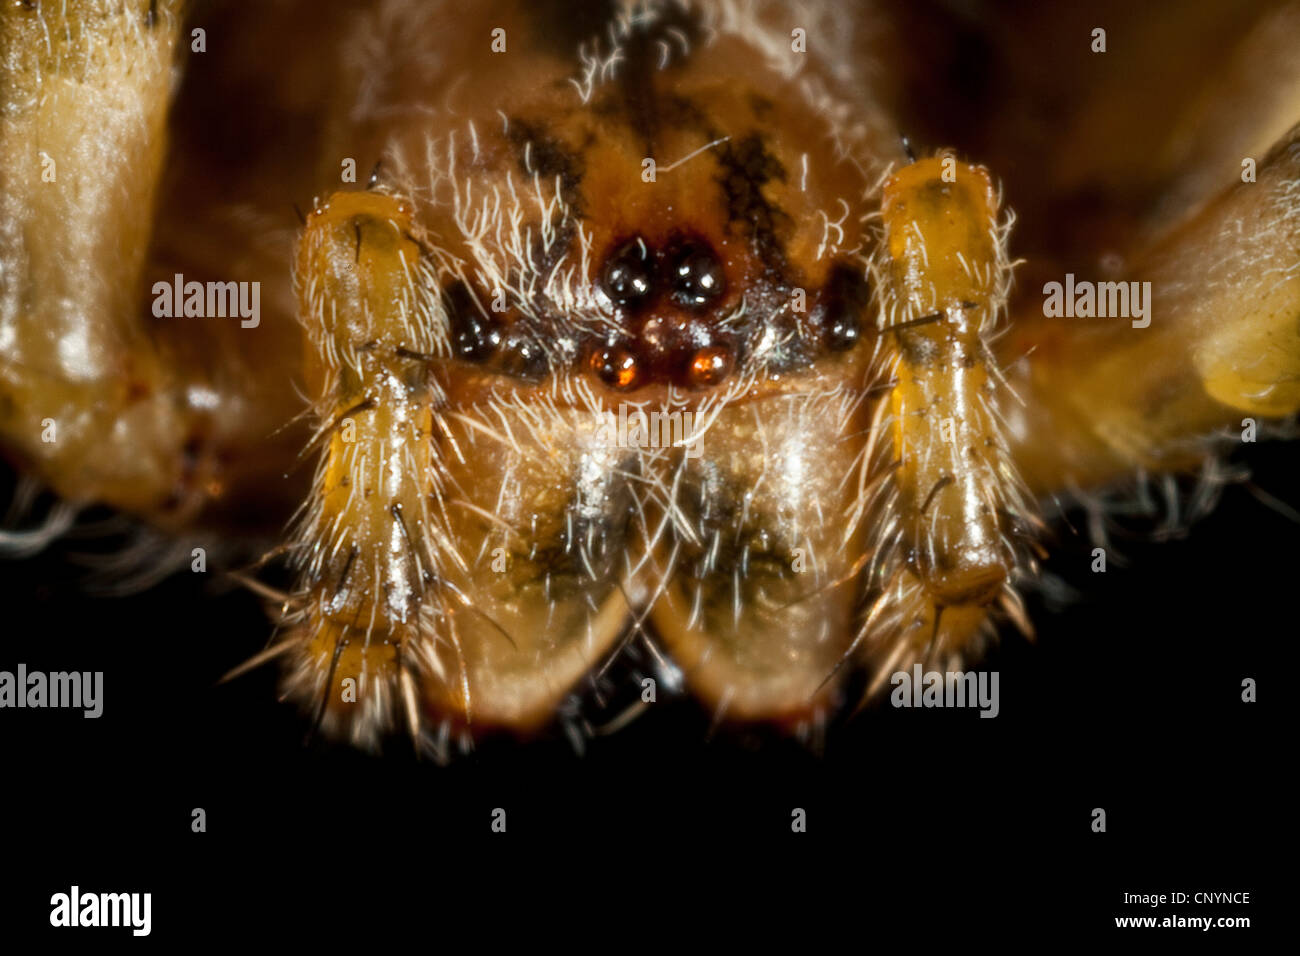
(647, 326)
(574, 280)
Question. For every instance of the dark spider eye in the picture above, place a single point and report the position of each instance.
(696, 275)
(843, 332)
(845, 297)
(629, 274)
(473, 338)
(523, 357)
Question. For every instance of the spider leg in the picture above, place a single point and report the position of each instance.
(951, 533)
(368, 566)
(1216, 342)
(85, 399)
(107, 393)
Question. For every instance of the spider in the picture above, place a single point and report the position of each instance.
(688, 325)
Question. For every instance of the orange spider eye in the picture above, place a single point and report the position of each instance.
(710, 366)
(616, 366)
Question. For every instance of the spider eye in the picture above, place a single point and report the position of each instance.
(629, 274)
(524, 357)
(616, 366)
(845, 298)
(696, 273)
(473, 338)
(843, 332)
(709, 366)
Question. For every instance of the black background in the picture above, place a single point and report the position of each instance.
(1130, 700)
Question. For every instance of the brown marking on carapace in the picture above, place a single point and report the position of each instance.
(538, 151)
(747, 166)
(560, 27)
(650, 41)
(717, 177)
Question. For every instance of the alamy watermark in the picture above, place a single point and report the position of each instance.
(641, 429)
(76, 689)
(75, 908)
(181, 299)
(950, 689)
(1086, 300)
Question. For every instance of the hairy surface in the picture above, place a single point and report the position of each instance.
(646, 326)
